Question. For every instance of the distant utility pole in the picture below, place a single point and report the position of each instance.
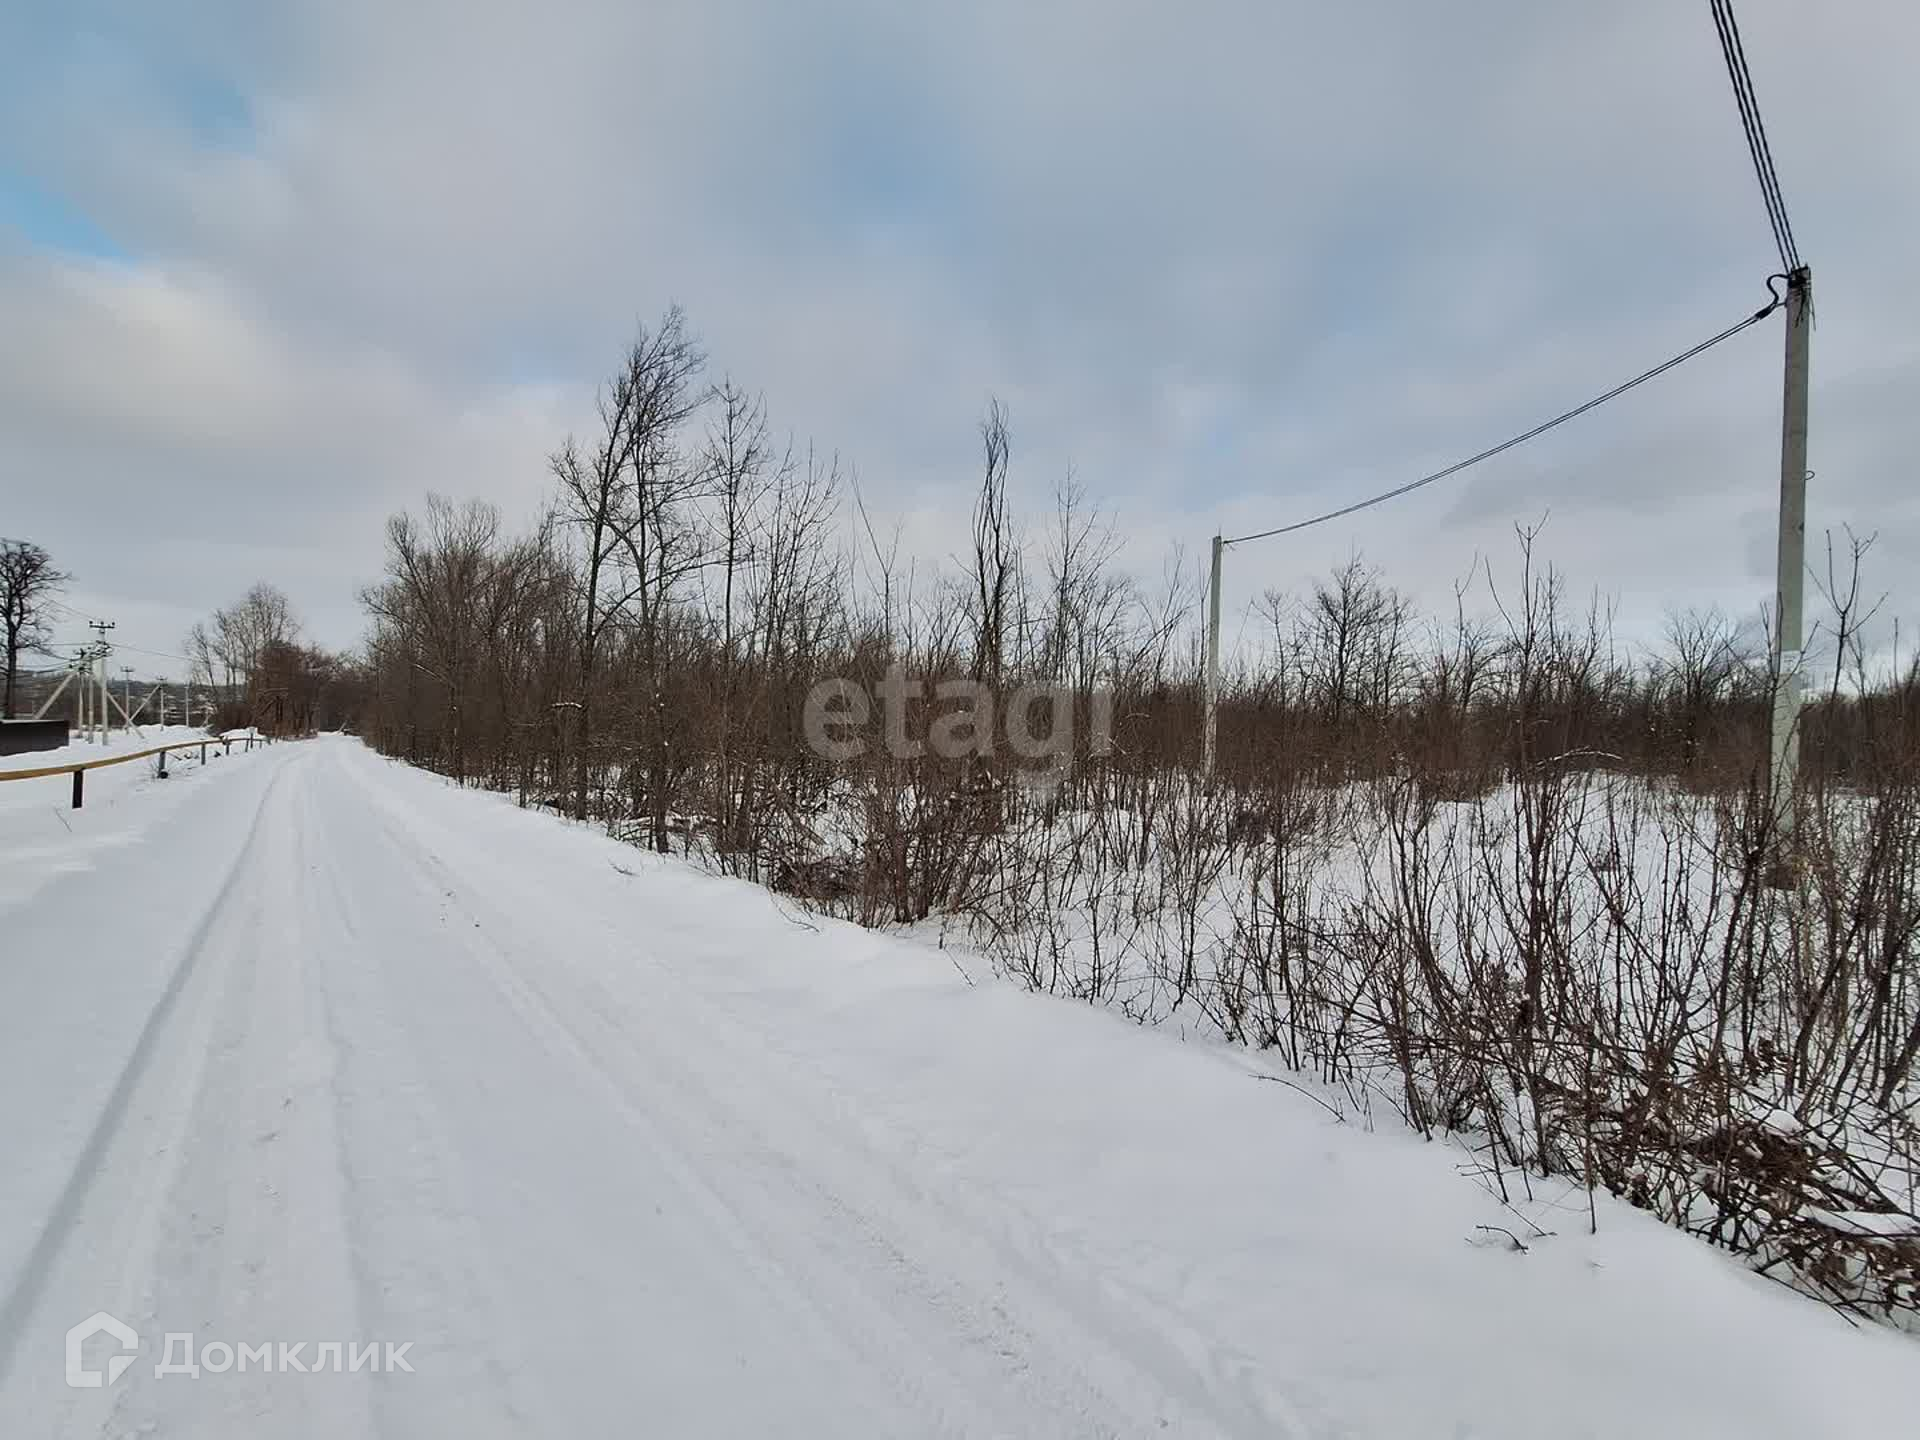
(1213, 657)
(1804, 303)
(1788, 635)
(82, 664)
(83, 693)
(100, 628)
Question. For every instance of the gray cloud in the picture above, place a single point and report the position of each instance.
(1236, 262)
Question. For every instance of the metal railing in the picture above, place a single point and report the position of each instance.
(78, 768)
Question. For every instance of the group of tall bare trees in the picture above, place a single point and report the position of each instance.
(643, 655)
(645, 640)
(251, 657)
(1497, 866)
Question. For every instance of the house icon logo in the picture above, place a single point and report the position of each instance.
(78, 1375)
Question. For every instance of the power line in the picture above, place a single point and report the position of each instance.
(81, 616)
(162, 654)
(1735, 54)
(1520, 439)
(122, 645)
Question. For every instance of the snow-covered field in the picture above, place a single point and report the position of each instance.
(42, 836)
(309, 1047)
(119, 742)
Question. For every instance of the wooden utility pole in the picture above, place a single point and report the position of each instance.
(1788, 632)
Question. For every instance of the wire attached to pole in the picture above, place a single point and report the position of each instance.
(1755, 128)
(1505, 445)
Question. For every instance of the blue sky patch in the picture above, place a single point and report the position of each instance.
(50, 222)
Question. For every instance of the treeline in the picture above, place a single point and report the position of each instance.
(643, 657)
(247, 664)
(250, 657)
(1497, 870)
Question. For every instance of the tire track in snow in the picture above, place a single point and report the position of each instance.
(474, 966)
(915, 1249)
(254, 1244)
(31, 1280)
(412, 1249)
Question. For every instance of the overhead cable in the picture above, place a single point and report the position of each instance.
(1505, 445)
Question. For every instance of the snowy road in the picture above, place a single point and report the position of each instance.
(327, 1051)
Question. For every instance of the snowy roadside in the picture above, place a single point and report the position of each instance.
(1376, 934)
(42, 836)
(1353, 1283)
(397, 1059)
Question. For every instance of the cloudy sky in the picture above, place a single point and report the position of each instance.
(270, 271)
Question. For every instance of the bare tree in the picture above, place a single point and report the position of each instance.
(439, 579)
(737, 463)
(1701, 664)
(661, 537)
(1349, 645)
(613, 495)
(227, 651)
(993, 548)
(28, 580)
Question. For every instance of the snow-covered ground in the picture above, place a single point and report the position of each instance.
(42, 836)
(324, 1050)
(119, 742)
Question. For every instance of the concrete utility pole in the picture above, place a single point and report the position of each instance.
(89, 701)
(1788, 634)
(1213, 657)
(100, 628)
